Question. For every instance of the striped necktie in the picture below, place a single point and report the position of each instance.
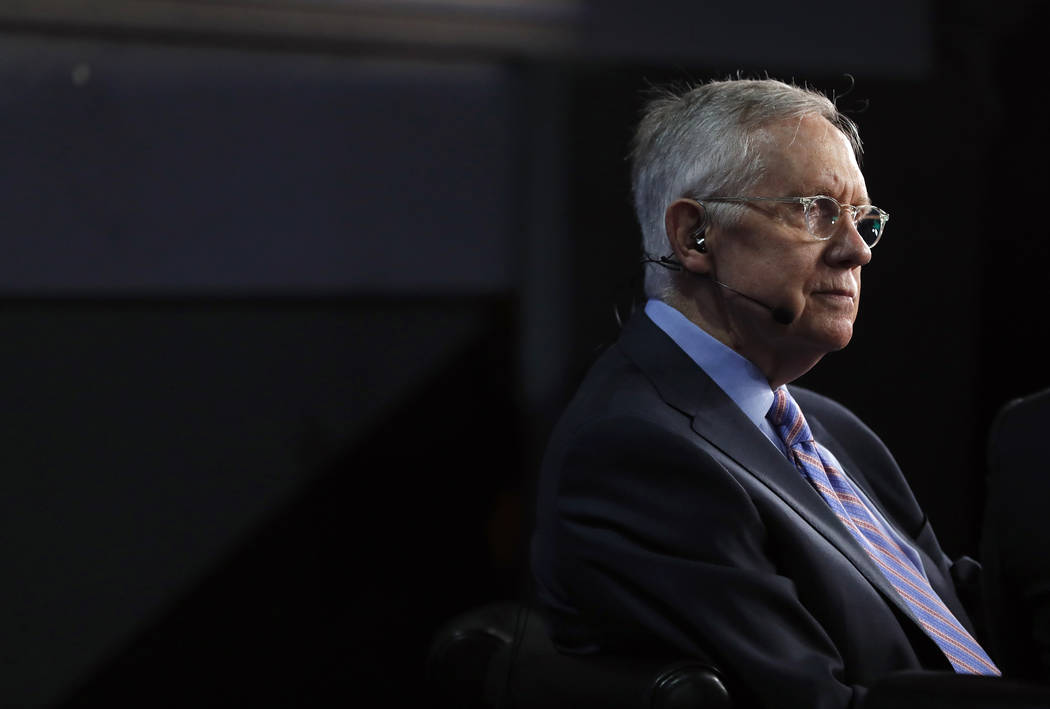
(822, 470)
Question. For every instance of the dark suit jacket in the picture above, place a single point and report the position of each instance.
(666, 521)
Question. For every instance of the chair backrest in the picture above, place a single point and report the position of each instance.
(500, 655)
(1015, 538)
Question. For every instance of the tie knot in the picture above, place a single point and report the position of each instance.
(787, 419)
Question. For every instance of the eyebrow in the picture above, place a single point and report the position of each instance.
(828, 191)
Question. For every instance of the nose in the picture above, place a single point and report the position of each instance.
(847, 248)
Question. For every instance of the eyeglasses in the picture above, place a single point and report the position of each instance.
(822, 215)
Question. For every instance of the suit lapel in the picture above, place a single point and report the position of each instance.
(686, 387)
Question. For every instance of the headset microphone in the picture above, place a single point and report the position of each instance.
(781, 315)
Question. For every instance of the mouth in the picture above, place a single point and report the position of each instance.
(841, 296)
(848, 293)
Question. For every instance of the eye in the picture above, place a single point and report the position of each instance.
(821, 216)
(869, 224)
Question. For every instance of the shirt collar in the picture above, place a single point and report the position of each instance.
(734, 374)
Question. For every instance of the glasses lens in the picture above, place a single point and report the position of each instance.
(822, 216)
(870, 224)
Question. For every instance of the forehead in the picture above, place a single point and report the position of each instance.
(809, 156)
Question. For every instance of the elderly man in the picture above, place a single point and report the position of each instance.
(690, 501)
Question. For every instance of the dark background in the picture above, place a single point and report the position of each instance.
(291, 293)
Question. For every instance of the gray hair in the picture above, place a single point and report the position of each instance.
(705, 140)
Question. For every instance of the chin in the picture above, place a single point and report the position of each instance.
(840, 345)
(840, 340)
(832, 337)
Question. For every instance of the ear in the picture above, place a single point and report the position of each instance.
(685, 222)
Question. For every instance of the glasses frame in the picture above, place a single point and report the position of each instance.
(806, 203)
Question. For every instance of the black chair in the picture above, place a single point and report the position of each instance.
(500, 656)
(1015, 538)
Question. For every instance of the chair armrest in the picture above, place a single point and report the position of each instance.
(479, 657)
(461, 652)
(536, 674)
(689, 684)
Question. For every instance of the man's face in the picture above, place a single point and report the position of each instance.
(771, 255)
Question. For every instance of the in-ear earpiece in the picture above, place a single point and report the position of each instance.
(701, 225)
(701, 244)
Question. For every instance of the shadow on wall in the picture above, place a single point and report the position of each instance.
(346, 582)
